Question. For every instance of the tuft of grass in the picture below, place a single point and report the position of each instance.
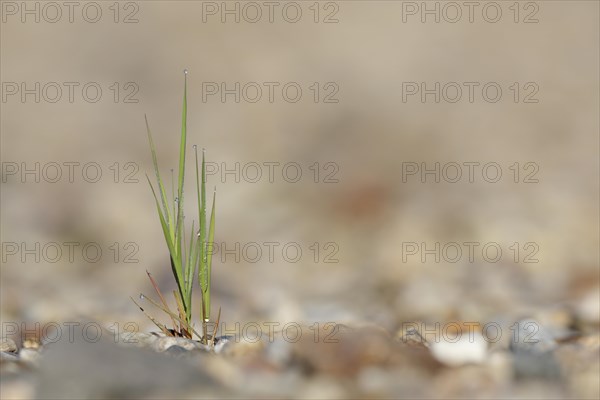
(187, 257)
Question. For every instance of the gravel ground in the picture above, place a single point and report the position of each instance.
(487, 287)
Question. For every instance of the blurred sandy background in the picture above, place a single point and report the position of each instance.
(368, 134)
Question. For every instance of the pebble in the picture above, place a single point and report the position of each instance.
(222, 342)
(369, 359)
(533, 351)
(531, 337)
(32, 343)
(457, 351)
(8, 357)
(177, 351)
(164, 343)
(30, 356)
(80, 369)
(453, 344)
(8, 345)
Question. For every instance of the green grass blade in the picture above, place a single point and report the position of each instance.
(171, 314)
(209, 250)
(163, 195)
(183, 139)
(154, 321)
(173, 196)
(181, 178)
(203, 269)
(191, 265)
(163, 223)
(203, 194)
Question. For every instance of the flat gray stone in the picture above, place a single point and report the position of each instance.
(90, 369)
(533, 351)
(8, 356)
(531, 337)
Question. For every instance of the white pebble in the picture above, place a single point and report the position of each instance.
(465, 350)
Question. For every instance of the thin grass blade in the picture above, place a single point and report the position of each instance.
(181, 321)
(181, 176)
(214, 334)
(160, 296)
(155, 322)
(163, 194)
(174, 265)
(191, 264)
(209, 250)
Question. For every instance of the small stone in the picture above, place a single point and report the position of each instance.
(457, 343)
(222, 342)
(177, 351)
(29, 356)
(8, 345)
(466, 349)
(533, 351)
(80, 369)
(8, 357)
(163, 344)
(531, 337)
(32, 343)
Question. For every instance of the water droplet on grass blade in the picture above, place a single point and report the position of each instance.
(185, 71)
(142, 297)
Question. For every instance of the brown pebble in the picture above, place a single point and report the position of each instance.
(31, 343)
(8, 345)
